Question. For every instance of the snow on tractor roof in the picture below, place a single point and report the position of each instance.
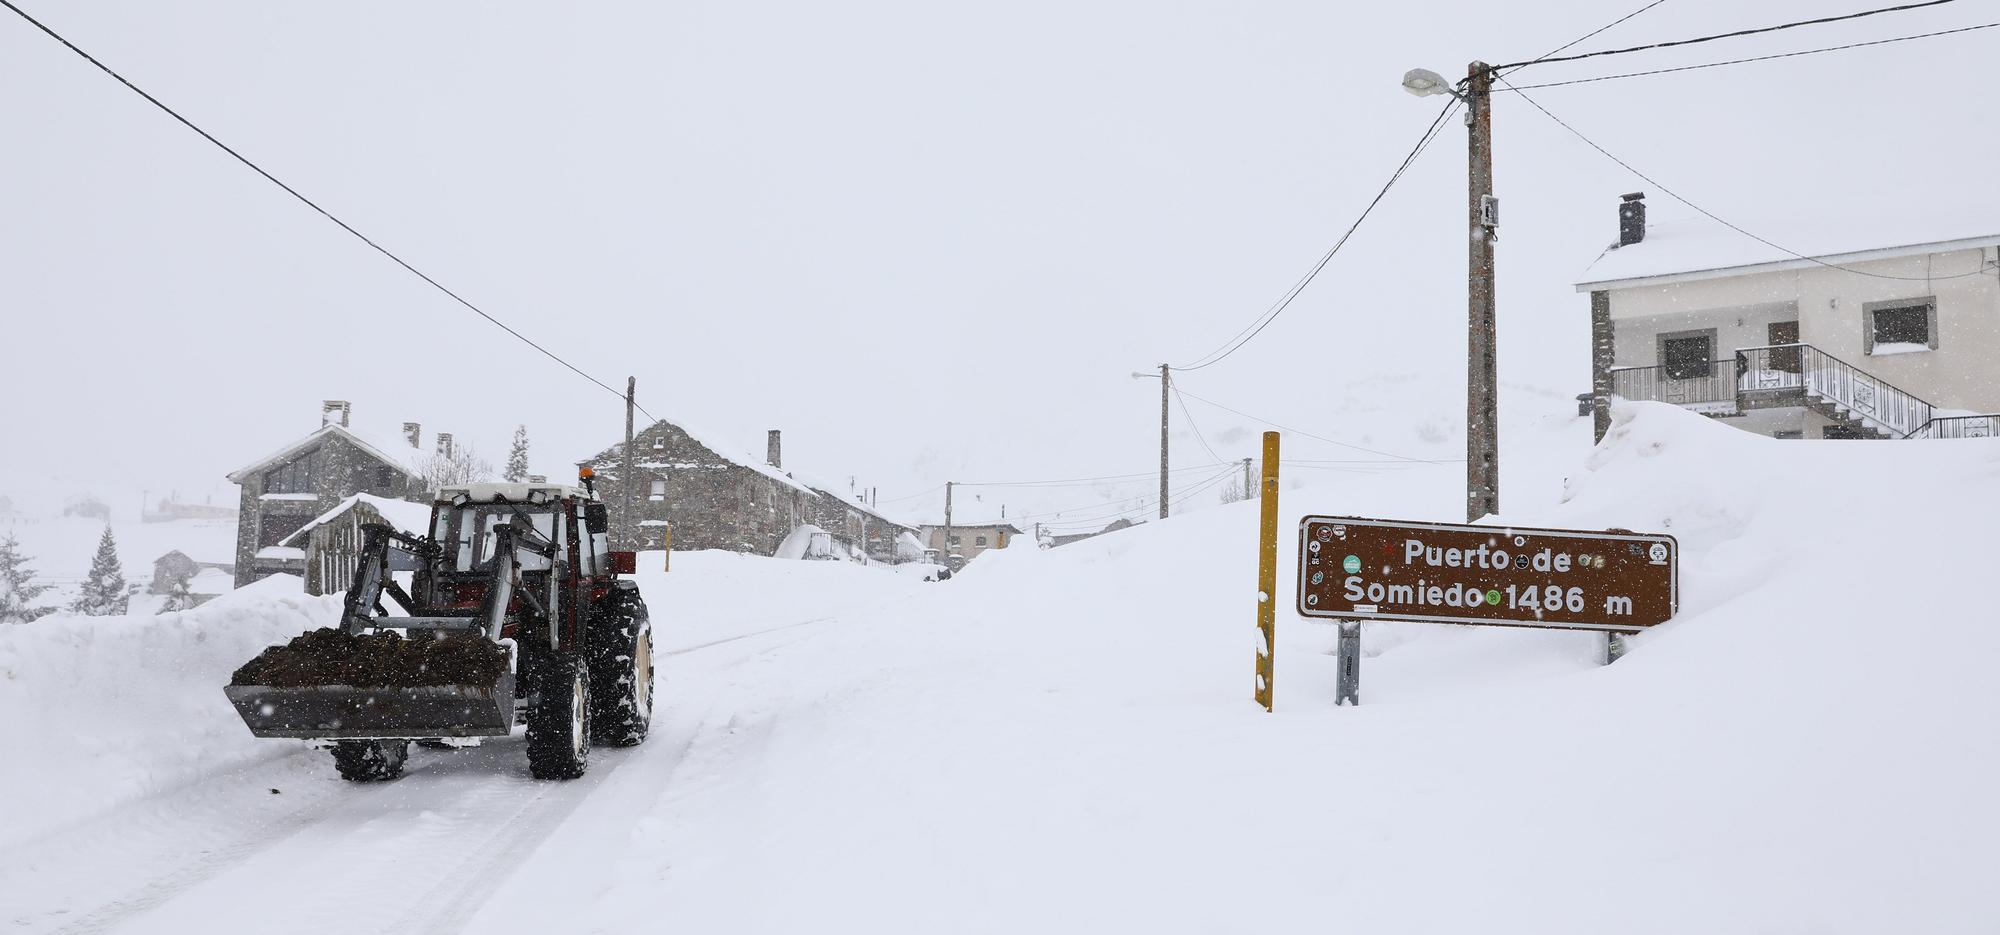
(506, 493)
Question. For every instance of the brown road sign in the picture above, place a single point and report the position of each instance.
(1570, 579)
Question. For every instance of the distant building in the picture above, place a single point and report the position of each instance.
(967, 539)
(692, 487)
(172, 510)
(88, 507)
(1117, 524)
(710, 499)
(178, 565)
(287, 489)
(1882, 331)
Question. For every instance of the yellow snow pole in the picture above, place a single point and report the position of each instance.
(1267, 572)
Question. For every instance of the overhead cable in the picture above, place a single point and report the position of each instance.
(239, 157)
(1719, 220)
(1546, 60)
(1262, 321)
(1756, 58)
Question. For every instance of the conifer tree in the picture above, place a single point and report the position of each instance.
(18, 589)
(517, 457)
(104, 592)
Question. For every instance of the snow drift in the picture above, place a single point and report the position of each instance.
(102, 710)
(1064, 740)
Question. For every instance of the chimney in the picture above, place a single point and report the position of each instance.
(444, 444)
(413, 432)
(335, 412)
(1632, 219)
(772, 452)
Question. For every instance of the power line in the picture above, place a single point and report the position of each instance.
(921, 493)
(239, 157)
(1714, 217)
(1727, 35)
(1263, 321)
(1072, 481)
(1758, 58)
(1191, 426)
(1330, 441)
(1088, 514)
(1595, 32)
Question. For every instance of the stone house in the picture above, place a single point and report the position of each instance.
(285, 490)
(1878, 329)
(968, 539)
(689, 484)
(856, 524)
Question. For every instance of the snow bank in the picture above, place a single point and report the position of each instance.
(1064, 740)
(102, 710)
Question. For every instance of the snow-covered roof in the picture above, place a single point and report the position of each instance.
(1685, 249)
(709, 441)
(401, 455)
(510, 493)
(827, 491)
(402, 514)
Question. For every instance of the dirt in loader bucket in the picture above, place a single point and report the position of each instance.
(375, 660)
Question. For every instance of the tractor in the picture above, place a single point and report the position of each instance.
(526, 567)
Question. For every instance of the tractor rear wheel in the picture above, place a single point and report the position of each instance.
(621, 671)
(370, 760)
(559, 722)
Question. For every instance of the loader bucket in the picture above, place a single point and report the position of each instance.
(345, 712)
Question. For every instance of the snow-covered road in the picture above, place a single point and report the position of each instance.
(1063, 741)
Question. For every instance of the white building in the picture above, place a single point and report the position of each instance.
(1879, 331)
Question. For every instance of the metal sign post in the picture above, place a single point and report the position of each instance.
(1267, 572)
(1347, 691)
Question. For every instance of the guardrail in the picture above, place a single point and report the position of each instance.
(1859, 394)
(1712, 392)
(1986, 426)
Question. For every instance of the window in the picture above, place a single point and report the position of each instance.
(954, 540)
(659, 489)
(272, 528)
(1686, 355)
(1899, 327)
(979, 541)
(295, 476)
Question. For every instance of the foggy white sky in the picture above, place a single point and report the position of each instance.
(928, 241)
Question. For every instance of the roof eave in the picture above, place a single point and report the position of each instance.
(1791, 263)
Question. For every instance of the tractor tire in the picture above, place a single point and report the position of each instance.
(621, 671)
(370, 760)
(559, 722)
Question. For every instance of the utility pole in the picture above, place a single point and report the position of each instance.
(947, 524)
(1482, 390)
(1165, 385)
(1249, 488)
(627, 477)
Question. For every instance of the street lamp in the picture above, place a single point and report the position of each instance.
(1424, 82)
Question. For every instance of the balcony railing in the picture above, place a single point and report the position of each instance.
(1856, 393)
(1987, 426)
(1714, 391)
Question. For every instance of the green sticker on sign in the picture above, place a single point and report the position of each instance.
(1493, 597)
(1351, 564)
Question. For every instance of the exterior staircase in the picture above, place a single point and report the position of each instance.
(1785, 375)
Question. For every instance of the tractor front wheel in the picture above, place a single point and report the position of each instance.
(559, 722)
(370, 760)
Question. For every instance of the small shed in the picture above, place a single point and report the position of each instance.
(331, 542)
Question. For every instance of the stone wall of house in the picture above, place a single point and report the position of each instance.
(710, 501)
(342, 469)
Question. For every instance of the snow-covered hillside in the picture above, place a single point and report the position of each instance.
(1064, 741)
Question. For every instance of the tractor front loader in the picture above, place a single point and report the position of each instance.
(519, 569)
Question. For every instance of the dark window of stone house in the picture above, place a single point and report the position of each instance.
(272, 528)
(954, 540)
(1687, 357)
(385, 481)
(979, 540)
(296, 476)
